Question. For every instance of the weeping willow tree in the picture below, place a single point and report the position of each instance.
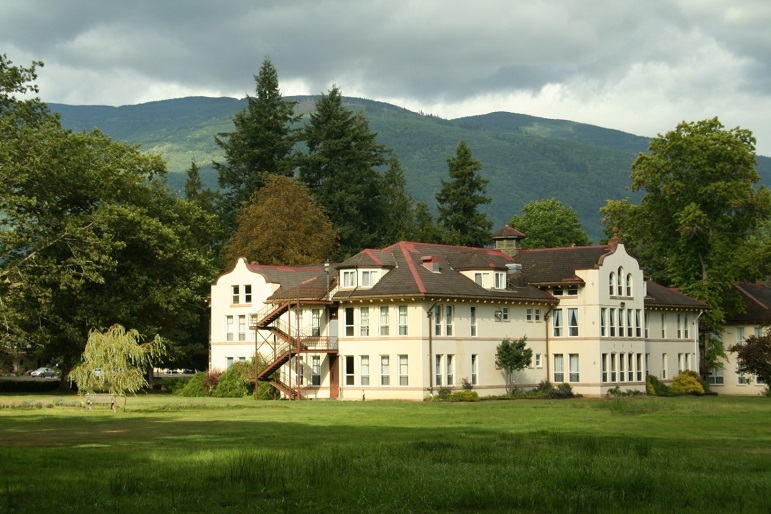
(116, 361)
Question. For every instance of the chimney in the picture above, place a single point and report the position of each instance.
(515, 272)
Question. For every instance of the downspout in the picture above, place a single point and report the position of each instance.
(430, 315)
(696, 342)
(546, 320)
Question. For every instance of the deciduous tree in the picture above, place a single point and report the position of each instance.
(754, 356)
(549, 224)
(513, 356)
(281, 226)
(459, 199)
(701, 204)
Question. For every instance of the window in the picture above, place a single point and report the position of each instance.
(603, 322)
(621, 323)
(629, 326)
(679, 328)
(646, 325)
(557, 322)
(248, 293)
(450, 370)
(613, 367)
(759, 380)
(242, 327)
(739, 335)
(637, 327)
(680, 362)
(242, 359)
(437, 320)
(448, 319)
(349, 371)
(715, 376)
(685, 325)
(663, 365)
(612, 322)
(482, 279)
(538, 314)
(556, 291)
(611, 282)
(647, 364)
(384, 320)
(529, 314)
(474, 369)
(758, 332)
(663, 326)
(236, 295)
(368, 278)
(349, 321)
(574, 367)
(619, 279)
(316, 370)
(639, 367)
(349, 278)
(630, 367)
(473, 321)
(505, 313)
(559, 372)
(404, 376)
(741, 378)
(500, 280)
(438, 370)
(229, 328)
(364, 370)
(315, 322)
(629, 284)
(402, 320)
(300, 370)
(573, 322)
(621, 367)
(572, 290)
(385, 370)
(228, 362)
(605, 367)
(364, 321)
(538, 360)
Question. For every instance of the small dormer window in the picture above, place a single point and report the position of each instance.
(500, 280)
(482, 279)
(556, 291)
(368, 278)
(349, 278)
(572, 290)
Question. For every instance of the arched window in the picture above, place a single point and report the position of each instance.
(619, 288)
(629, 284)
(611, 283)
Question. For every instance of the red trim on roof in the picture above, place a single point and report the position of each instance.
(405, 247)
(371, 255)
(752, 297)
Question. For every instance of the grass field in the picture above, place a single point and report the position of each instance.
(172, 454)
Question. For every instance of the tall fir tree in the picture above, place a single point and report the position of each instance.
(340, 170)
(399, 210)
(459, 199)
(262, 143)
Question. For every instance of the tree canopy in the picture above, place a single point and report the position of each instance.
(261, 144)
(549, 224)
(281, 226)
(459, 199)
(698, 213)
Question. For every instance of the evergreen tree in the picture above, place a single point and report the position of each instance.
(426, 228)
(261, 144)
(398, 206)
(459, 199)
(341, 171)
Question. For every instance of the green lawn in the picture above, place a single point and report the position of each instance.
(173, 454)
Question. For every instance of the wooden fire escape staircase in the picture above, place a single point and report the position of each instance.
(286, 346)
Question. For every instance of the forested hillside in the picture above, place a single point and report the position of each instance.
(524, 157)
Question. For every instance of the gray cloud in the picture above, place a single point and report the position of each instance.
(640, 67)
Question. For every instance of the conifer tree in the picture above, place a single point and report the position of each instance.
(459, 199)
(262, 144)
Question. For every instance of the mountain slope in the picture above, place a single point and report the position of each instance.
(524, 157)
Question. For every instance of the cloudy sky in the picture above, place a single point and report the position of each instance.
(637, 66)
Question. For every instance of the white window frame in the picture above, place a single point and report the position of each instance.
(384, 320)
(230, 328)
(364, 370)
(404, 375)
(247, 293)
(403, 320)
(349, 278)
(385, 370)
(473, 315)
(559, 368)
(448, 318)
(438, 370)
(236, 294)
(450, 365)
(474, 369)
(574, 375)
(315, 370)
(500, 280)
(350, 370)
(364, 321)
(572, 316)
(557, 323)
(242, 327)
(369, 278)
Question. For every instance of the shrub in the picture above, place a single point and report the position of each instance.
(655, 387)
(464, 396)
(195, 386)
(466, 384)
(544, 386)
(561, 391)
(444, 393)
(687, 382)
(235, 383)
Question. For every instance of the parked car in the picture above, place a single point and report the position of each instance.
(43, 372)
